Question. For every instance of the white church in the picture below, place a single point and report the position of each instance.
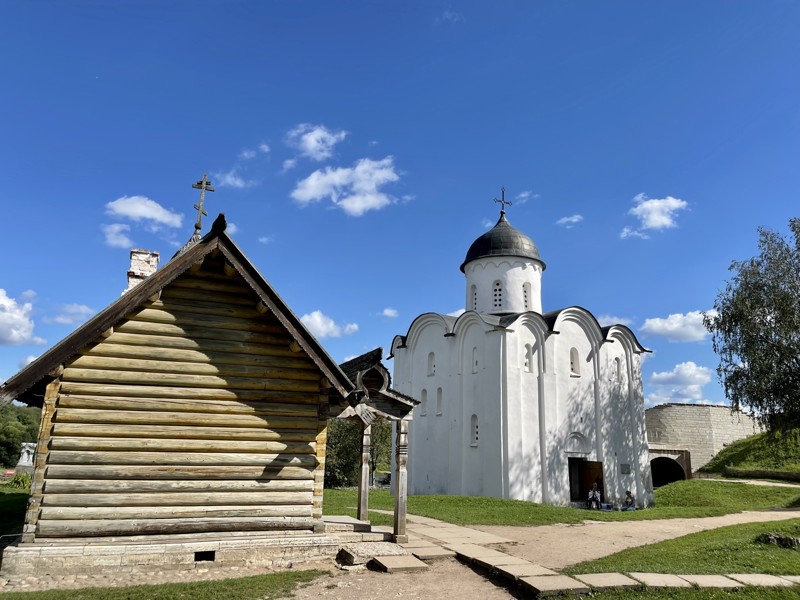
(516, 402)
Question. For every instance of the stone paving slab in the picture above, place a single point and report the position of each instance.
(417, 543)
(792, 578)
(711, 581)
(517, 571)
(606, 581)
(360, 553)
(761, 580)
(660, 580)
(398, 564)
(432, 553)
(473, 551)
(552, 585)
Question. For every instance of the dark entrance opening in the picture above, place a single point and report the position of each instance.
(666, 470)
(582, 474)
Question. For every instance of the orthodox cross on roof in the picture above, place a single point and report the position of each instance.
(204, 185)
(503, 201)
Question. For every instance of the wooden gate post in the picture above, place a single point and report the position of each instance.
(401, 482)
(363, 484)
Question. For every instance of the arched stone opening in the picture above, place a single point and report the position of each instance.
(666, 470)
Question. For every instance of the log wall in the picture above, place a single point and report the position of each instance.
(192, 415)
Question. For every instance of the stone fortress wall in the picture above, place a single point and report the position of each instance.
(701, 429)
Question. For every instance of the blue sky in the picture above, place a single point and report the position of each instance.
(356, 147)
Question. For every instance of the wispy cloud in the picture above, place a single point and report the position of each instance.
(264, 239)
(684, 384)
(450, 16)
(231, 229)
(71, 314)
(653, 214)
(116, 235)
(27, 360)
(608, 320)
(322, 326)
(143, 209)
(288, 164)
(263, 148)
(247, 154)
(16, 322)
(314, 141)
(569, 222)
(524, 196)
(487, 223)
(390, 312)
(456, 313)
(232, 179)
(356, 190)
(678, 327)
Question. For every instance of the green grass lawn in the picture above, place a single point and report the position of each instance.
(714, 552)
(776, 451)
(260, 587)
(687, 499)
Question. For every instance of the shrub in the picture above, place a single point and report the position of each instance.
(21, 481)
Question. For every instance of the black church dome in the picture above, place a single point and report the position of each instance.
(502, 240)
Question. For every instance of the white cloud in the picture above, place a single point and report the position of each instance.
(263, 148)
(141, 208)
(231, 229)
(450, 16)
(247, 154)
(117, 235)
(288, 164)
(71, 314)
(684, 384)
(608, 320)
(264, 239)
(487, 223)
(653, 214)
(322, 326)
(28, 296)
(456, 313)
(16, 324)
(524, 196)
(355, 190)
(27, 360)
(569, 222)
(314, 141)
(628, 232)
(678, 327)
(233, 179)
(390, 312)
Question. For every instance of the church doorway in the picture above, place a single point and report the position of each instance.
(666, 470)
(582, 474)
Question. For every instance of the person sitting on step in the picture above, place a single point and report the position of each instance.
(594, 498)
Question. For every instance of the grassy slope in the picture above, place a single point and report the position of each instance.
(688, 499)
(13, 503)
(778, 451)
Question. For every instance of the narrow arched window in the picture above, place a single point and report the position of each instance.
(439, 401)
(474, 298)
(528, 358)
(497, 295)
(574, 363)
(431, 363)
(474, 432)
(474, 359)
(617, 370)
(526, 295)
(423, 403)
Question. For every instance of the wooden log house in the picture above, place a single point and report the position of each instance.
(196, 403)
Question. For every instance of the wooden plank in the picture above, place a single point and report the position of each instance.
(75, 388)
(198, 406)
(199, 333)
(82, 415)
(179, 306)
(166, 499)
(200, 321)
(165, 445)
(106, 527)
(157, 342)
(196, 283)
(184, 432)
(151, 351)
(170, 472)
(184, 380)
(188, 295)
(69, 486)
(307, 371)
(161, 512)
(91, 457)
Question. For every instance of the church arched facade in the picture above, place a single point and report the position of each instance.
(517, 403)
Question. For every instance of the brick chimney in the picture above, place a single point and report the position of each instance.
(143, 264)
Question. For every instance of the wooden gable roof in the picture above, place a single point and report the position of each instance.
(28, 385)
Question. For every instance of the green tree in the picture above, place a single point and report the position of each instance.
(18, 424)
(755, 330)
(343, 452)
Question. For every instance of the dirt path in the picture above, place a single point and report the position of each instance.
(552, 546)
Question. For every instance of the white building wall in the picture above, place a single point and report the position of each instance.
(513, 274)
